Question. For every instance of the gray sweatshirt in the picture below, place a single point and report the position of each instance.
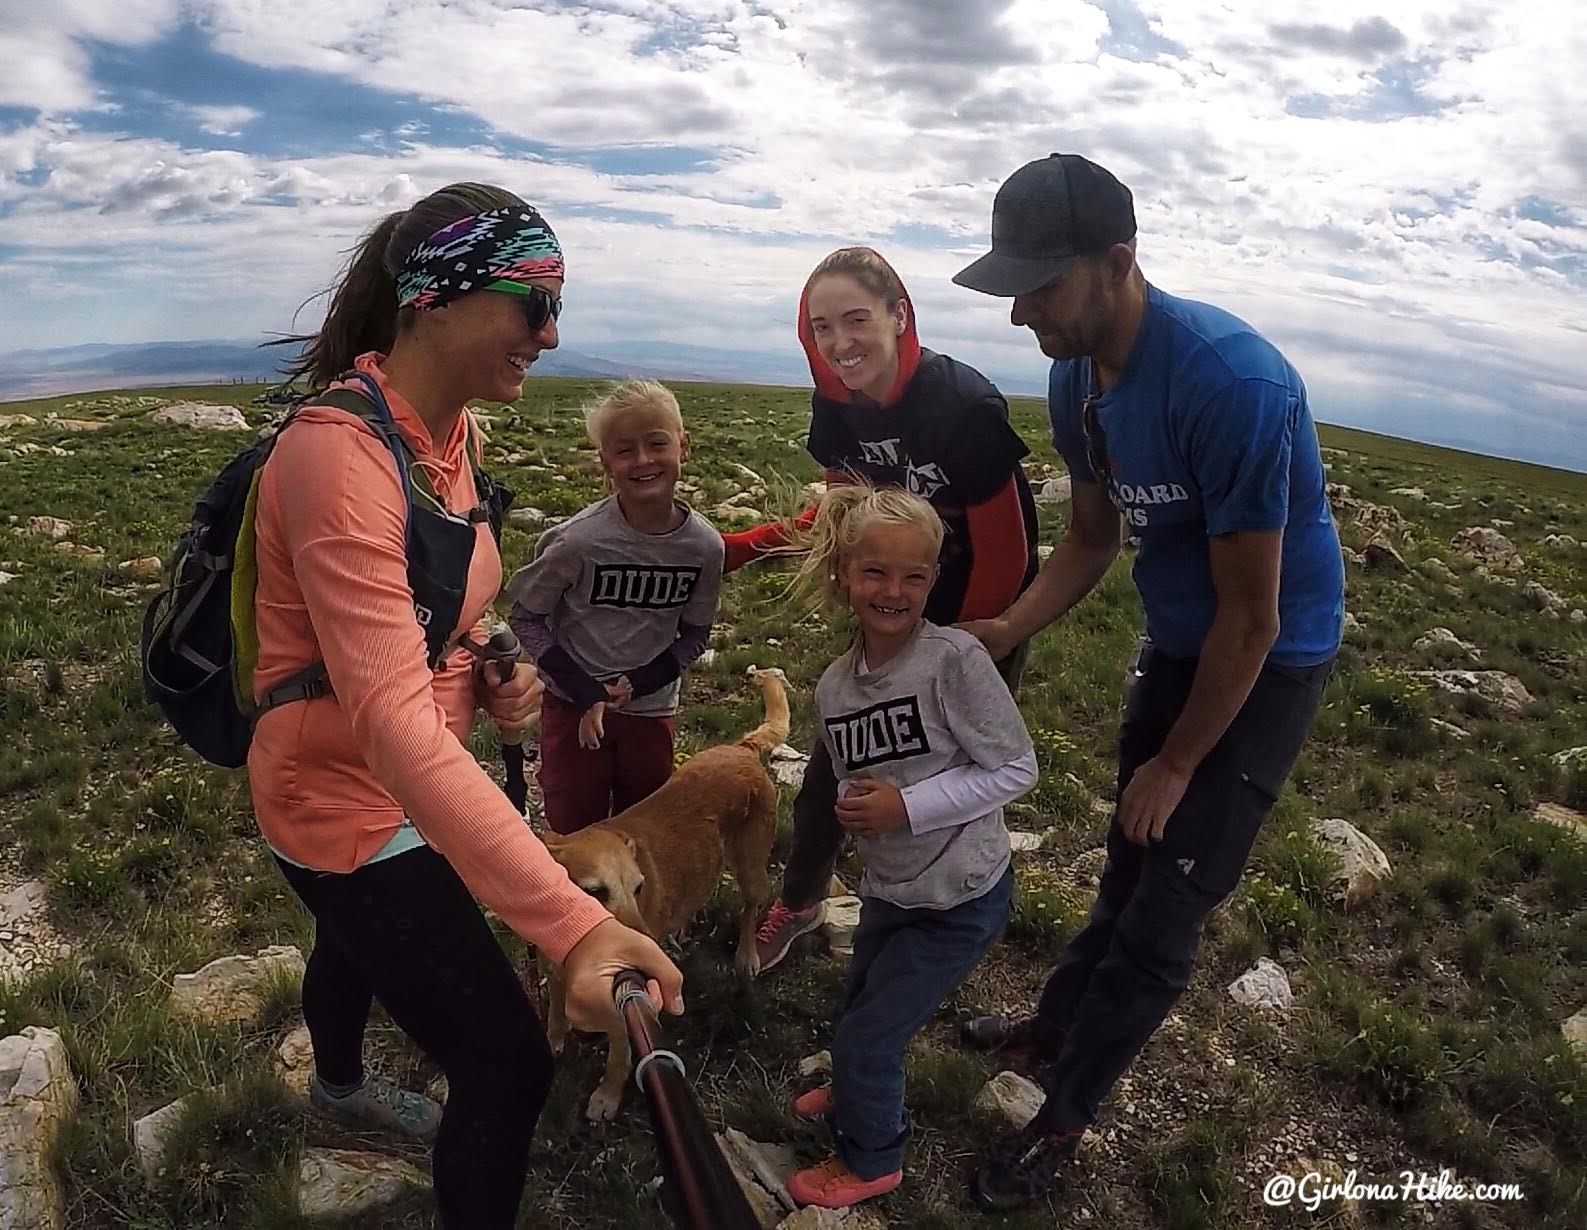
(614, 598)
(937, 706)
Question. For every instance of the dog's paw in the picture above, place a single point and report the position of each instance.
(747, 963)
(603, 1105)
(558, 1039)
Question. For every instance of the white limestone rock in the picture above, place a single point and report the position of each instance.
(56, 529)
(1488, 546)
(737, 514)
(295, 1061)
(1363, 867)
(234, 988)
(1504, 692)
(145, 568)
(788, 765)
(814, 1217)
(37, 1095)
(1443, 644)
(839, 917)
(205, 416)
(1056, 490)
(151, 1135)
(338, 1183)
(1265, 985)
(1575, 1031)
(763, 1172)
(1380, 555)
(1010, 1098)
(815, 1065)
(1567, 819)
(1544, 599)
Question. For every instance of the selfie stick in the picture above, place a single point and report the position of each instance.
(703, 1193)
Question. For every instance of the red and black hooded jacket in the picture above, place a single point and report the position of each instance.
(943, 433)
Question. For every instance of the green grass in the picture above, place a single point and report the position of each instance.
(1426, 1031)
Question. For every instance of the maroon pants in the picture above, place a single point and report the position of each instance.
(581, 786)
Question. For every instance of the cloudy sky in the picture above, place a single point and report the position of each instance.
(1394, 194)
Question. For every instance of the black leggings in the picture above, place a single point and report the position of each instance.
(407, 932)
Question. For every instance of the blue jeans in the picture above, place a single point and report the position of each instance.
(906, 962)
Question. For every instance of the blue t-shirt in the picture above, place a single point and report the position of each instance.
(1207, 432)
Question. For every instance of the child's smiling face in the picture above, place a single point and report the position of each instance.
(642, 453)
(887, 576)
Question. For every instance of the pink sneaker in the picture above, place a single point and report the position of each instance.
(832, 1185)
(814, 1103)
(780, 928)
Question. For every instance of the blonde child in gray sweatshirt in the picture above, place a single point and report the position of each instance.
(928, 746)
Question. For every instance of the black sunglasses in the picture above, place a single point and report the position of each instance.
(539, 307)
(1096, 442)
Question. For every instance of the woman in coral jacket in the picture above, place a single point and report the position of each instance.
(892, 414)
(380, 818)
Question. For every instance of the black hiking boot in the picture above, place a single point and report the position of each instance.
(1024, 1168)
(1029, 1038)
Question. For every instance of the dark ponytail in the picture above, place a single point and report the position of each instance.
(363, 314)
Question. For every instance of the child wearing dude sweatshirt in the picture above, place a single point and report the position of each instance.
(616, 602)
(928, 746)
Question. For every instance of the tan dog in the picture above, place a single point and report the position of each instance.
(656, 865)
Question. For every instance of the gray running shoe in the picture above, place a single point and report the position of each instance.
(378, 1103)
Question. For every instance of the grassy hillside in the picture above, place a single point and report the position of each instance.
(1426, 1029)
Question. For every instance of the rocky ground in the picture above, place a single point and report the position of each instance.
(1397, 985)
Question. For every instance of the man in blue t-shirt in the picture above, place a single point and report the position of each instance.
(1185, 424)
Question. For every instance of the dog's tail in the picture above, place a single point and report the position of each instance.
(773, 690)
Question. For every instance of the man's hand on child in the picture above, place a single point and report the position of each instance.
(871, 808)
(995, 634)
(592, 726)
(515, 701)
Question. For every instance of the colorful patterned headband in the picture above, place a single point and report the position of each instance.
(501, 249)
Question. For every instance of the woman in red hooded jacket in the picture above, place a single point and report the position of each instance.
(889, 413)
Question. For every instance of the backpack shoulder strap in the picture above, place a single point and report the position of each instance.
(371, 407)
(360, 404)
(492, 499)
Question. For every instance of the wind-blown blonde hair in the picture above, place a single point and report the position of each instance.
(843, 515)
(627, 398)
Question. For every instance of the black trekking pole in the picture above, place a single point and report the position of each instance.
(502, 651)
(699, 1191)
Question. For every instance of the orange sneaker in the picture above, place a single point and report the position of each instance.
(814, 1103)
(832, 1185)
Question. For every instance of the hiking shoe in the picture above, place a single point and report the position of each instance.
(378, 1103)
(1024, 1167)
(1028, 1037)
(814, 1103)
(780, 928)
(832, 1185)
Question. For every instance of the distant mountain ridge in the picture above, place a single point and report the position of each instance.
(65, 370)
(79, 369)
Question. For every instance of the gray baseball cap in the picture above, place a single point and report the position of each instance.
(1046, 215)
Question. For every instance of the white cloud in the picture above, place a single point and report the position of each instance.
(43, 63)
(1343, 177)
(220, 121)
